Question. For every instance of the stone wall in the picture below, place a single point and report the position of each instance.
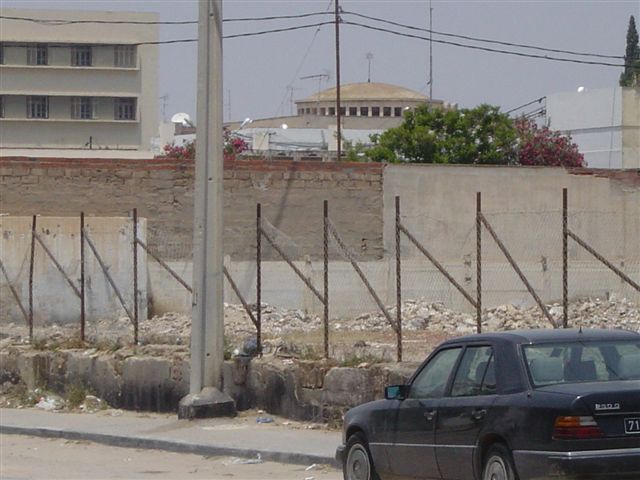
(291, 194)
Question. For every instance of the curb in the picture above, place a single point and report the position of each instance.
(173, 446)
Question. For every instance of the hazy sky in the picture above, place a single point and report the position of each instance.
(257, 70)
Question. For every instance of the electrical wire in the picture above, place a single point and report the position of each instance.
(485, 40)
(485, 49)
(537, 100)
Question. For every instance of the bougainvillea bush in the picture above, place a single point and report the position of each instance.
(542, 146)
(233, 146)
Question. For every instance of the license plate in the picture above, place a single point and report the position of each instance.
(632, 425)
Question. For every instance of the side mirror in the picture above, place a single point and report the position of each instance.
(396, 392)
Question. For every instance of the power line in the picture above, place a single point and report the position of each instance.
(60, 22)
(537, 100)
(486, 49)
(485, 40)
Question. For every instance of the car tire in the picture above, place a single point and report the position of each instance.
(358, 464)
(498, 464)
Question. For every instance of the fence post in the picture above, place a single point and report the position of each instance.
(478, 262)
(398, 283)
(259, 278)
(31, 262)
(565, 260)
(325, 232)
(82, 304)
(135, 276)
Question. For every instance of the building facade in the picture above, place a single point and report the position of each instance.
(70, 81)
(604, 123)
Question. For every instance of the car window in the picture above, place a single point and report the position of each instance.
(476, 374)
(597, 361)
(432, 379)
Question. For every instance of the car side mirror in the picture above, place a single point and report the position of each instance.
(396, 392)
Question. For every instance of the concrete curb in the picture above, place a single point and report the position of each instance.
(172, 446)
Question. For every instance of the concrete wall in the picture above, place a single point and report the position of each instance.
(61, 81)
(291, 194)
(53, 298)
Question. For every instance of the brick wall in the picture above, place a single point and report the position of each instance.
(291, 194)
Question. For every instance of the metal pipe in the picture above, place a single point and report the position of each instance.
(259, 277)
(565, 261)
(165, 266)
(478, 262)
(325, 234)
(57, 264)
(398, 284)
(244, 303)
(135, 276)
(31, 262)
(82, 296)
(15, 293)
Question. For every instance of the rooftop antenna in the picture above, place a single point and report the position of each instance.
(319, 77)
(369, 57)
(164, 99)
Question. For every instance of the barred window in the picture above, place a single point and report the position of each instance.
(82, 108)
(125, 108)
(375, 111)
(397, 111)
(37, 55)
(81, 56)
(124, 56)
(364, 111)
(386, 111)
(353, 111)
(37, 107)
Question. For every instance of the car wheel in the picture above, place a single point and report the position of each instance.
(358, 464)
(498, 464)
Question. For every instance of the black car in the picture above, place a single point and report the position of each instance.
(532, 404)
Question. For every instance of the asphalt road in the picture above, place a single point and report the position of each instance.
(24, 457)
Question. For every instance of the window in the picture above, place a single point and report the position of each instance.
(375, 111)
(1, 53)
(82, 108)
(432, 380)
(37, 55)
(81, 56)
(353, 111)
(301, 111)
(476, 373)
(314, 111)
(364, 111)
(1, 106)
(323, 111)
(38, 107)
(125, 109)
(307, 111)
(386, 111)
(124, 56)
(343, 111)
(332, 111)
(397, 111)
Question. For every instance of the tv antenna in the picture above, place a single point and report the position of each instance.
(320, 77)
(369, 57)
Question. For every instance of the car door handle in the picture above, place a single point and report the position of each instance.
(478, 413)
(429, 414)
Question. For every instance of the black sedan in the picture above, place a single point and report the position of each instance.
(533, 404)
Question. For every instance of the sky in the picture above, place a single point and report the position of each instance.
(260, 72)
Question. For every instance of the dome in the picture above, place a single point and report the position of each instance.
(367, 91)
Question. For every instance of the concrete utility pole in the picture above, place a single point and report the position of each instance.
(205, 397)
(338, 107)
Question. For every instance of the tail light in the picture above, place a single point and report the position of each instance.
(571, 428)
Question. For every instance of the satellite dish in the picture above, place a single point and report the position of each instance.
(284, 126)
(183, 119)
(245, 122)
(580, 89)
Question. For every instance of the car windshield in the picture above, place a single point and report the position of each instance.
(579, 361)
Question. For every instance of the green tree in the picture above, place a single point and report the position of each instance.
(631, 75)
(481, 135)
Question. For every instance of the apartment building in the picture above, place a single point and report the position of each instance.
(68, 80)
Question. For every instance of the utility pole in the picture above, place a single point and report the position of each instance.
(338, 115)
(430, 54)
(205, 397)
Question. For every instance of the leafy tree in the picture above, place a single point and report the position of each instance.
(631, 75)
(481, 135)
(542, 146)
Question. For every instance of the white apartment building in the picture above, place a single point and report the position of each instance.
(70, 81)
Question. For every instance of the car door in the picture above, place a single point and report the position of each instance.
(412, 452)
(463, 411)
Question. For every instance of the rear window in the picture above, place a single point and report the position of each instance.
(572, 362)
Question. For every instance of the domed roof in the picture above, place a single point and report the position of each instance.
(366, 91)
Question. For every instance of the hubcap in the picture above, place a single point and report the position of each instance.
(358, 467)
(496, 469)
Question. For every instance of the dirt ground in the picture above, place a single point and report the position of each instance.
(33, 458)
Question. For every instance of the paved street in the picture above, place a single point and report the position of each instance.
(25, 457)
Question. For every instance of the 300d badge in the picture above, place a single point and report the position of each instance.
(607, 406)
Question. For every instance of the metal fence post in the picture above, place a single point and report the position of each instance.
(565, 260)
(82, 303)
(398, 283)
(31, 262)
(325, 232)
(259, 278)
(478, 262)
(135, 276)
